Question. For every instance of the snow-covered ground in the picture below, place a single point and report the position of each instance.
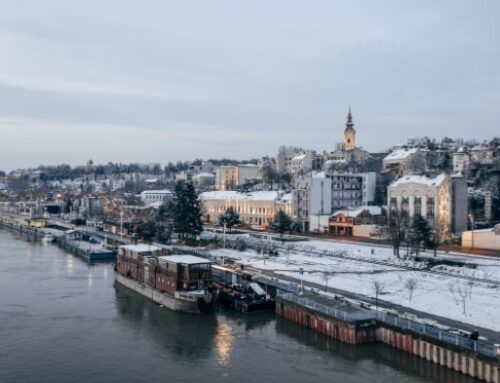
(343, 266)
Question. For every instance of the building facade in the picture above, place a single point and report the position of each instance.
(255, 208)
(404, 161)
(428, 197)
(461, 161)
(230, 177)
(149, 197)
(323, 193)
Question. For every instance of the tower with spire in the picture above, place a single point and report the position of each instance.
(349, 132)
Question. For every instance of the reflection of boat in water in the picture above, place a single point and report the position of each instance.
(180, 336)
(178, 282)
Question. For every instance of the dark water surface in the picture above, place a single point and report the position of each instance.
(62, 320)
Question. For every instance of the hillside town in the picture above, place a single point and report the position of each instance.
(420, 194)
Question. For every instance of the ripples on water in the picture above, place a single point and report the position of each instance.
(62, 320)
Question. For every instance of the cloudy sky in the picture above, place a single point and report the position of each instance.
(123, 80)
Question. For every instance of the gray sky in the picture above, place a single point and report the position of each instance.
(146, 81)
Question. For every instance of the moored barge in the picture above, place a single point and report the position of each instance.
(178, 282)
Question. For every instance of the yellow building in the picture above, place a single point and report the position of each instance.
(254, 208)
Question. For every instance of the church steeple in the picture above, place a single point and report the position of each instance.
(349, 132)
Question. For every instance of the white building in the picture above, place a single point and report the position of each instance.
(248, 173)
(404, 160)
(461, 161)
(285, 157)
(204, 179)
(229, 177)
(428, 197)
(488, 239)
(255, 208)
(323, 193)
(149, 197)
(302, 163)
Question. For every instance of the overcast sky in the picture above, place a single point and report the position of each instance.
(158, 81)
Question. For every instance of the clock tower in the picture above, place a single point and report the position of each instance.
(349, 133)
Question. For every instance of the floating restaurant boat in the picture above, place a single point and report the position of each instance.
(178, 282)
(238, 292)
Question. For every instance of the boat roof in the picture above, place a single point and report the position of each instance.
(186, 259)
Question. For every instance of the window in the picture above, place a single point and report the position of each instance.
(417, 207)
(430, 211)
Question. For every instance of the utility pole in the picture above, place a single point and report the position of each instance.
(121, 222)
(224, 235)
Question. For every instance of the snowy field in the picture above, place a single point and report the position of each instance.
(343, 266)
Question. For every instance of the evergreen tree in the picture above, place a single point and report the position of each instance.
(420, 232)
(282, 223)
(164, 223)
(230, 218)
(186, 212)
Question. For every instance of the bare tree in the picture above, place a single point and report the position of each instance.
(470, 285)
(326, 277)
(439, 231)
(288, 249)
(378, 288)
(397, 228)
(380, 232)
(411, 285)
(460, 294)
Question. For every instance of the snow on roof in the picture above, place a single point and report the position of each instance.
(286, 197)
(166, 191)
(299, 157)
(186, 259)
(373, 210)
(400, 154)
(205, 174)
(341, 161)
(234, 195)
(141, 248)
(420, 180)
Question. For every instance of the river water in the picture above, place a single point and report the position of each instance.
(62, 320)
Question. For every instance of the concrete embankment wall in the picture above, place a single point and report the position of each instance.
(466, 363)
(31, 232)
(337, 329)
(369, 331)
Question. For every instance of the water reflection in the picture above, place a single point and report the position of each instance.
(183, 336)
(223, 340)
(376, 353)
(69, 264)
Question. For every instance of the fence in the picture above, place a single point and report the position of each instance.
(329, 311)
(441, 335)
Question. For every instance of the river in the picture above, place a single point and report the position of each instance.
(62, 320)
